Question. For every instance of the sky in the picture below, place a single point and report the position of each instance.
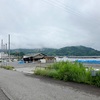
(50, 23)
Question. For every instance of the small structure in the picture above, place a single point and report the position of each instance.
(50, 59)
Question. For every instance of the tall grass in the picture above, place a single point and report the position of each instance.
(7, 67)
(70, 71)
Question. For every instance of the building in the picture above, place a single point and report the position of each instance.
(50, 59)
(5, 57)
(39, 58)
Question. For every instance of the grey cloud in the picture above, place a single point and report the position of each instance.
(55, 23)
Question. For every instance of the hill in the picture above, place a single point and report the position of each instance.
(78, 51)
(65, 51)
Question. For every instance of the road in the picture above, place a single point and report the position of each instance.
(3, 96)
(20, 86)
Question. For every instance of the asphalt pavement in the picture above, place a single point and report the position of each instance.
(3, 95)
(21, 86)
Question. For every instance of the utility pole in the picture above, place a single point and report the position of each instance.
(1, 48)
(6, 47)
(6, 53)
(2, 45)
(2, 51)
(9, 46)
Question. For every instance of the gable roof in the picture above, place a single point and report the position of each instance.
(36, 55)
(39, 54)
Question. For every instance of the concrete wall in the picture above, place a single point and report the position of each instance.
(43, 61)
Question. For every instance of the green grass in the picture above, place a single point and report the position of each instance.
(68, 71)
(7, 67)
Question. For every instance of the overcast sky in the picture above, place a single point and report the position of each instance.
(50, 23)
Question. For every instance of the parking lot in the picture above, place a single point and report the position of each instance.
(26, 67)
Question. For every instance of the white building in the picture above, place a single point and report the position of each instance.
(3, 55)
(61, 58)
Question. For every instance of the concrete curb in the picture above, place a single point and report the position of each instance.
(6, 93)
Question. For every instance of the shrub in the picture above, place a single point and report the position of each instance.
(53, 73)
(40, 72)
(70, 71)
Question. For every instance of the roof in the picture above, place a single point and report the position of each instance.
(49, 57)
(36, 55)
(39, 54)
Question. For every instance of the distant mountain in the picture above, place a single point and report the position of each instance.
(65, 51)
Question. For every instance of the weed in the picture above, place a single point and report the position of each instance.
(70, 71)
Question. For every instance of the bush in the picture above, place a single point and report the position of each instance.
(40, 72)
(70, 71)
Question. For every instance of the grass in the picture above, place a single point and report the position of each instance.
(7, 67)
(70, 71)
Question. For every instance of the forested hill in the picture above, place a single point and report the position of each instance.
(78, 51)
(65, 51)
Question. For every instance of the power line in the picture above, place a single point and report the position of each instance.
(62, 6)
(69, 9)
